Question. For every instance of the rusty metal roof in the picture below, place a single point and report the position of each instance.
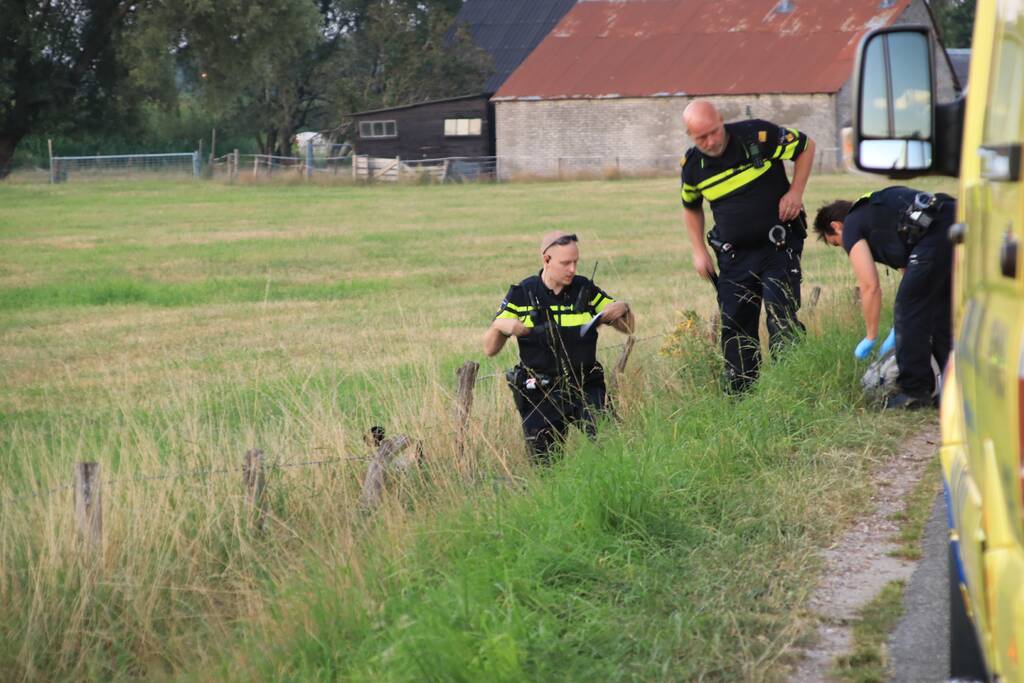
(650, 48)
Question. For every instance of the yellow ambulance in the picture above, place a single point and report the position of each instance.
(901, 131)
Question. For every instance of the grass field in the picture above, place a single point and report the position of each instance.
(160, 328)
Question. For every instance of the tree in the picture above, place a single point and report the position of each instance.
(269, 67)
(955, 19)
(58, 65)
(406, 52)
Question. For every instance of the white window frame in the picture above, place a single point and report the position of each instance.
(463, 127)
(378, 128)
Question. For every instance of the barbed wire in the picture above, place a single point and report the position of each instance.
(192, 473)
(280, 464)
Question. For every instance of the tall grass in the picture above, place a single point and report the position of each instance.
(678, 545)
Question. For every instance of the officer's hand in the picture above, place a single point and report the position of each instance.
(790, 205)
(614, 311)
(702, 263)
(510, 327)
(890, 341)
(863, 349)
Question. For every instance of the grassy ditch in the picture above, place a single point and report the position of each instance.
(675, 548)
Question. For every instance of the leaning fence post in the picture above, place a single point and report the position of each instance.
(89, 504)
(382, 463)
(463, 403)
(255, 486)
(815, 295)
(620, 365)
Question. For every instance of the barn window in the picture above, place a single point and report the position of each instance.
(462, 127)
(378, 129)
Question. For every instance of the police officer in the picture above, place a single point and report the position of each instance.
(558, 381)
(904, 229)
(759, 228)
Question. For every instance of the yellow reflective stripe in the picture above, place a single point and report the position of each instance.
(690, 193)
(508, 314)
(788, 150)
(720, 176)
(572, 319)
(519, 309)
(866, 195)
(736, 182)
(600, 302)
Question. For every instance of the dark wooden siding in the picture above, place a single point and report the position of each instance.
(421, 130)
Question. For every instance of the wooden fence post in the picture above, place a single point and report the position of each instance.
(255, 486)
(234, 166)
(620, 365)
(89, 505)
(463, 404)
(815, 295)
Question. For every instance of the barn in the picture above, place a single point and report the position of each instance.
(607, 87)
(508, 30)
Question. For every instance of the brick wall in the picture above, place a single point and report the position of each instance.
(632, 135)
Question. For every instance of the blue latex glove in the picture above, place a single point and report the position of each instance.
(889, 342)
(863, 349)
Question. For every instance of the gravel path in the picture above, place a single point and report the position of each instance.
(859, 564)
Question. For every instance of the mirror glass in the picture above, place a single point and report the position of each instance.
(896, 86)
(874, 108)
(911, 85)
(895, 155)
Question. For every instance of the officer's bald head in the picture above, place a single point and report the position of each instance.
(705, 127)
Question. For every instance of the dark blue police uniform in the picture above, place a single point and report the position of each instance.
(744, 186)
(922, 312)
(558, 381)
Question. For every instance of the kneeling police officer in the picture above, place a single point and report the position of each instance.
(905, 229)
(554, 316)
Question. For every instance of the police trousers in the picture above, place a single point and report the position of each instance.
(748, 277)
(922, 313)
(547, 411)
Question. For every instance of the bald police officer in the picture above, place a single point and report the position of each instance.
(759, 227)
(558, 381)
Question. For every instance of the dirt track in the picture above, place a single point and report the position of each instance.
(860, 563)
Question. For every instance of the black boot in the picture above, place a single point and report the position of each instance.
(902, 401)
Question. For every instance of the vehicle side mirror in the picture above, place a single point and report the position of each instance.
(894, 102)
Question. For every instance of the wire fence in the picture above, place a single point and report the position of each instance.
(365, 168)
(62, 168)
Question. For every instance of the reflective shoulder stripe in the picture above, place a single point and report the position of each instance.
(866, 197)
(734, 183)
(600, 302)
(788, 150)
(690, 193)
(519, 309)
(509, 314)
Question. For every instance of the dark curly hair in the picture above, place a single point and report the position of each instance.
(833, 211)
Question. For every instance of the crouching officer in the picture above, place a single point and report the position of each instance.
(759, 228)
(558, 381)
(905, 229)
